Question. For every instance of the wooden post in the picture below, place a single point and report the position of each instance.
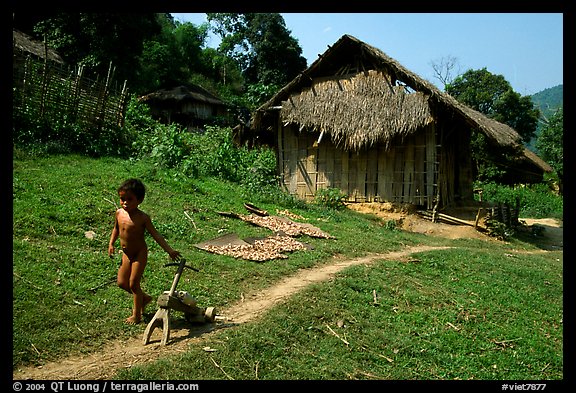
(122, 106)
(479, 209)
(44, 79)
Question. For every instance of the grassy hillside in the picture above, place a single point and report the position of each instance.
(476, 311)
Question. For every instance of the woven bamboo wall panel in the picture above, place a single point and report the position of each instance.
(407, 172)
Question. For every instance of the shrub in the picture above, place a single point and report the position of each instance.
(330, 197)
(52, 131)
(210, 153)
(536, 200)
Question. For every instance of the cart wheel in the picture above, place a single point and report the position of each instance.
(210, 314)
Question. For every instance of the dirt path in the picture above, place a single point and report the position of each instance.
(124, 354)
(550, 239)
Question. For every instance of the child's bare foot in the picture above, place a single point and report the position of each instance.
(133, 320)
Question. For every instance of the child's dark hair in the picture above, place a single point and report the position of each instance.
(135, 186)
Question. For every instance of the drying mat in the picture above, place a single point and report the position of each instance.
(281, 224)
(254, 249)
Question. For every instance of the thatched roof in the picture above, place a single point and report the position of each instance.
(532, 160)
(377, 106)
(350, 108)
(181, 94)
(25, 43)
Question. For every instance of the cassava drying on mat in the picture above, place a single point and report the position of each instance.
(261, 250)
(290, 228)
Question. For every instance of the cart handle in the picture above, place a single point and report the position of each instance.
(182, 262)
(181, 265)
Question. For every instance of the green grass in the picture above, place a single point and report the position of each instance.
(469, 312)
(454, 314)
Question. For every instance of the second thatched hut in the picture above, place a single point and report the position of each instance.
(190, 105)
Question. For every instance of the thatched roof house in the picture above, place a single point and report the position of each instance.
(24, 44)
(188, 105)
(358, 120)
(25, 48)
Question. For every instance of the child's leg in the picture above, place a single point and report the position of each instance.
(124, 273)
(140, 298)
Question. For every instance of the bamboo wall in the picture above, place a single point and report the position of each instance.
(406, 173)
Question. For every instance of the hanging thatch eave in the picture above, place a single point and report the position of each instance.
(369, 57)
(498, 133)
(536, 161)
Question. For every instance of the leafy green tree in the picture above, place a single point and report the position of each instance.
(493, 96)
(173, 56)
(263, 47)
(159, 66)
(518, 112)
(190, 40)
(222, 69)
(479, 89)
(96, 39)
(550, 143)
(179, 56)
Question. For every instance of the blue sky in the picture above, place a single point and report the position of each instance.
(526, 48)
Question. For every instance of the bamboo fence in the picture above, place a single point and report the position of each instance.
(60, 94)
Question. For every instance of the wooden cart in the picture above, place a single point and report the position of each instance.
(171, 301)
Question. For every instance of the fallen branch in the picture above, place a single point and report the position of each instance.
(113, 203)
(504, 342)
(94, 289)
(190, 218)
(36, 349)
(364, 347)
(221, 369)
(444, 217)
(336, 334)
(28, 281)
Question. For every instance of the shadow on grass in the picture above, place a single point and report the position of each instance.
(181, 329)
(542, 235)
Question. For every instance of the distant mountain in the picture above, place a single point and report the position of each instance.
(548, 101)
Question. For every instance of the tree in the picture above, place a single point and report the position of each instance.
(444, 69)
(159, 67)
(493, 96)
(190, 40)
(550, 143)
(174, 56)
(263, 47)
(223, 71)
(96, 39)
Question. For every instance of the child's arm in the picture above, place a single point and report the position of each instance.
(159, 239)
(113, 236)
